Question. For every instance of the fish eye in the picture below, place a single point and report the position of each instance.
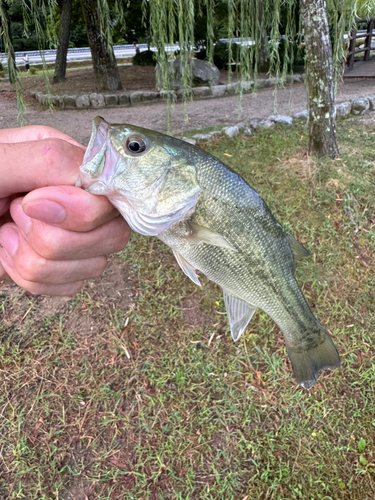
(135, 145)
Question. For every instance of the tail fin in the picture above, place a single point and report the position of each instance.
(308, 362)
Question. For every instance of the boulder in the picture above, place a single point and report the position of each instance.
(206, 137)
(97, 100)
(124, 100)
(150, 96)
(69, 101)
(201, 137)
(244, 129)
(218, 90)
(136, 97)
(343, 109)
(202, 92)
(302, 114)
(231, 131)
(83, 101)
(360, 105)
(281, 119)
(232, 88)
(371, 100)
(258, 123)
(203, 73)
(189, 140)
(111, 99)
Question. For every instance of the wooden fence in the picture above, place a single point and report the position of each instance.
(368, 36)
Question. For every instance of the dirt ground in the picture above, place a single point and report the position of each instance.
(201, 113)
(90, 317)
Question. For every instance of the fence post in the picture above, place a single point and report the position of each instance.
(353, 35)
(370, 27)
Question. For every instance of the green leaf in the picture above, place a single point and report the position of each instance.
(362, 460)
(361, 445)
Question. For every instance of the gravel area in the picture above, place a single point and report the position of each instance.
(202, 113)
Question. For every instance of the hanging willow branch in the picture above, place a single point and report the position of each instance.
(254, 22)
(13, 73)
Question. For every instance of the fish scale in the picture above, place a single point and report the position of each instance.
(215, 223)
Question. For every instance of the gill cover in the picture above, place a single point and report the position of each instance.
(151, 185)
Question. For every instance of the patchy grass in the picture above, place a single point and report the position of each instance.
(133, 388)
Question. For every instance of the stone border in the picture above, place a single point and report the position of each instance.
(356, 106)
(125, 99)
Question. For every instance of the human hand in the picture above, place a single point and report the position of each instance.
(58, 235)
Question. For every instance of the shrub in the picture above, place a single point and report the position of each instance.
(221, 53)
(33, 71)
(145, 58)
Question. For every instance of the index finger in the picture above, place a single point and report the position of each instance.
(25, 166)
(35, 133)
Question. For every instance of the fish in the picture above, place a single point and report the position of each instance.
(215, 223)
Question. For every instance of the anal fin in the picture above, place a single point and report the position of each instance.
(187, 268)
(239, 314)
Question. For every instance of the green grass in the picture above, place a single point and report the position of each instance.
(121, 397)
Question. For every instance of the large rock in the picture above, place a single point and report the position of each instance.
(281, 119)
(360, 105)
(371, 100)
(218, 90)
(343, 109)
(202, 92)
(69, 101)
(230, 131)
(97, 100)
(82, 101)
(203, 73)
(302, 114)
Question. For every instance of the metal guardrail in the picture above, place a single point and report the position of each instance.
(76, 53)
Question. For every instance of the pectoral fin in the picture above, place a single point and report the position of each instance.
(239, 314)
(187, 268)
(200, 234)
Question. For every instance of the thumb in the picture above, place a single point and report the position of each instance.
(25, 166)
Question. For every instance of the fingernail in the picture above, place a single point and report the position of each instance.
(45, 211)
(9, 241)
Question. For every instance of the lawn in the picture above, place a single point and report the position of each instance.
(134, 389)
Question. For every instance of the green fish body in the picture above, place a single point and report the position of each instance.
(215, 223)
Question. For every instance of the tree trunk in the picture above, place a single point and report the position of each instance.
(319, 78)
(63, 43)
(264, 47)
(103, 59)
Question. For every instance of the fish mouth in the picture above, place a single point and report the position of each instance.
(98, 137)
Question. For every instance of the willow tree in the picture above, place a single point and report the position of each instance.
(320, 78)
(259, 20)
(98, 25)
(65, 7)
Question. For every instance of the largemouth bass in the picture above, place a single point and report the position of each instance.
(215, 223)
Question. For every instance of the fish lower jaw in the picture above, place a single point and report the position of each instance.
(98, 188)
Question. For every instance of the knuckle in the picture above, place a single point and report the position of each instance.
(100, 265)
(32, 269)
